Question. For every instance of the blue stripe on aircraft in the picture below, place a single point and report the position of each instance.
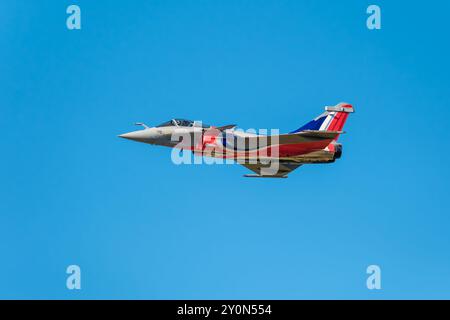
(312, 125)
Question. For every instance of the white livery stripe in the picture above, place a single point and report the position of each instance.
(327, 121)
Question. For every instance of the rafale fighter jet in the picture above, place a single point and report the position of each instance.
(315, 142)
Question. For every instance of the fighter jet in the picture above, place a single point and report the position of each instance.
(315, 142)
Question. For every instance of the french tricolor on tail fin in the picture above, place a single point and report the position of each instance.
(333, 119)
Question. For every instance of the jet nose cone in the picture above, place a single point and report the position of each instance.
(126, 135)
(140, 135)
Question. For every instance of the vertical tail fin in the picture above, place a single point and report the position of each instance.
(333, 119)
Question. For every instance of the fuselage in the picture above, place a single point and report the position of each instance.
(267, 153)
(238, 145)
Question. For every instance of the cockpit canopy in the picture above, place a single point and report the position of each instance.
(181, 123)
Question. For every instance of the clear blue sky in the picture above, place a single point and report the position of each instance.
(141, 227)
